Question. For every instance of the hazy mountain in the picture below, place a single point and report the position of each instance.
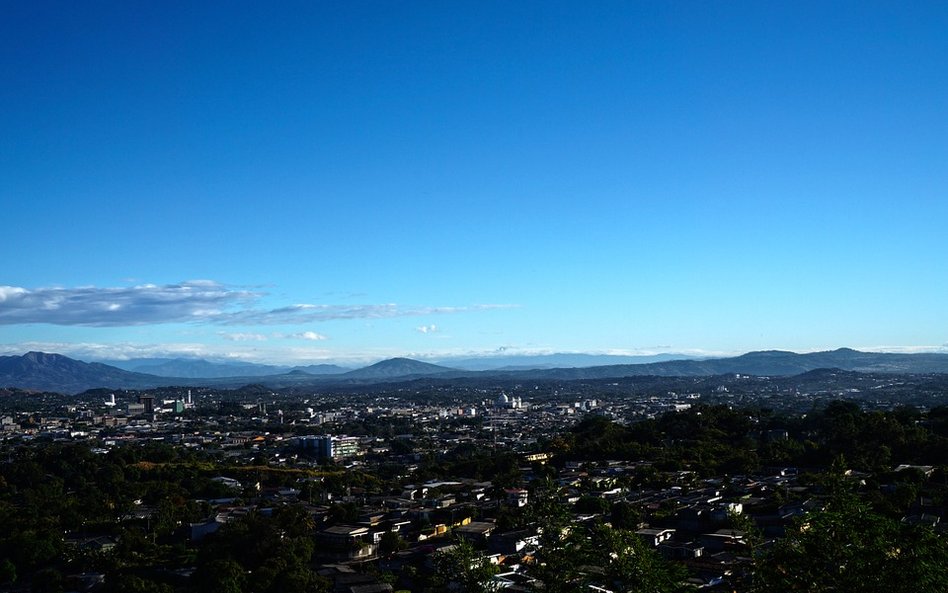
(552, 361)
(53, 372)
(133, 363)
(396, 367)
(321, 369)
(763, 363)
(196, 368)
(777, 362)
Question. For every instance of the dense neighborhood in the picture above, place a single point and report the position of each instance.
(439, 487)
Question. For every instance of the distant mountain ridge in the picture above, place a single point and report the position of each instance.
(767, 363)
(554, 361)
(54, 372)
(197, 368)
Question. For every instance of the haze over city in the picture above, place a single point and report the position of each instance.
(356, 181)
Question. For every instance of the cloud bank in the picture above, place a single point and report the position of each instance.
(196, 301)
(111, 307)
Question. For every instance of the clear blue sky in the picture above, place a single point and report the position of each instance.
(437, 178)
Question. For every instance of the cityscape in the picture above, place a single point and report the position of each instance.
(430, 483)
(473, 297)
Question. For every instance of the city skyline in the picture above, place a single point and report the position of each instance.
(318, 182)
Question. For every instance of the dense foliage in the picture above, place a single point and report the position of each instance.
(715, 440)
(848, 547)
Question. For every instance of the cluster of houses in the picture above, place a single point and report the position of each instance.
(686, 520)
(696, 522)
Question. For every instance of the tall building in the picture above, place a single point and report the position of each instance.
(149, 402)
(329, 447)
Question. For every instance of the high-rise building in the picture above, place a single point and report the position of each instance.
(329, 447)
(149, 402)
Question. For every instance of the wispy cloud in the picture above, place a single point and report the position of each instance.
(196, 301)
(904, 349)
(427, 329)
(243, 337)
(310, 313)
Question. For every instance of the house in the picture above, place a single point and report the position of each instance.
(694, 518)
(925, 519)
(654, 537)
(86, 581)
(516, 497)
(721, 539)
(475, 531)
(511, 542)
(371, 519)
(371, 588)
(925, 470)
(345, 542)
(412, 492)
(680, 551)
(229, 482)
(344, 582)
(199, 531)
(102, 543)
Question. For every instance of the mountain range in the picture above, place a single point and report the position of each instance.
(197, 368)
(552, 361)
(55, 372)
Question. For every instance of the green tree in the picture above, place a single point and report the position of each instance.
(220, 576)
(462, 568)
(30, 550)
(592, 505)
(7, 572)
(390, 543)
(125, 583)
(271, 554)
(625, 516)
(284, 574)
(630, 565)
(847, 547)
(294, 520)
(47, 580)
(563, 547)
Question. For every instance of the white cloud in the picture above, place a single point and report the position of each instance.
(195, 301)
(308, 335)
(306, 313)
(112, 307)
(11, 292)
(243, 337)
(905, 349)
(242, 351)
(310, 313)
(116, 351)
(427, 329)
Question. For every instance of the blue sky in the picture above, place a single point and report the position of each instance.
(355, 180)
